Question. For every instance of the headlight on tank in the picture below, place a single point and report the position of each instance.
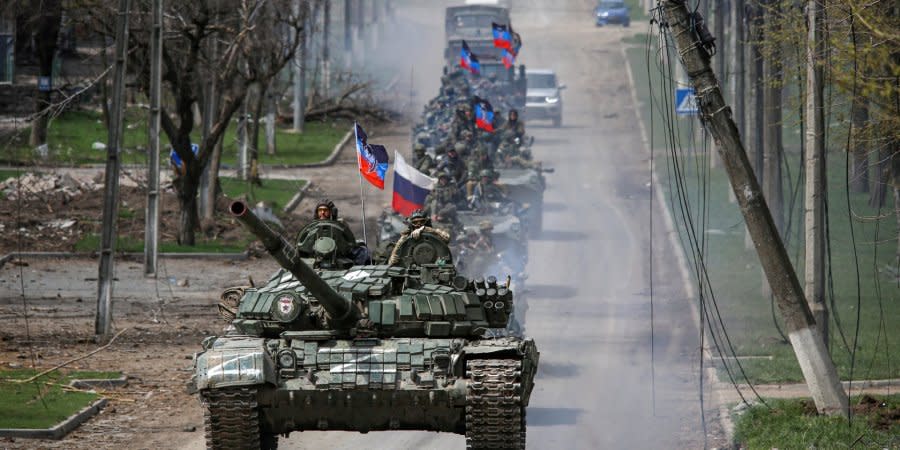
(287, 359)
(554, 99)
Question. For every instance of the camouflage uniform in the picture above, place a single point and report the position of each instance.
(419, 222)
(423, 161)
(445, 193)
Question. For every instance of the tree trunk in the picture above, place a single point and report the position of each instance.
(46, 35)
(187, 201)
(254, 135)
(859, 170)
(772, 146)
(271, 106)
(880, 173)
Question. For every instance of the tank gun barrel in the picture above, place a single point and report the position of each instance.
(340, 309)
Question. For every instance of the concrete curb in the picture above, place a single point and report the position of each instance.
(100, 383)
(60, 430)
(90, 255)
(329, 160)
(297, 198)
(332, 157)
(671, 232)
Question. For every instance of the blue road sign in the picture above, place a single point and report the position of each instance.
(685, 102)
(44, 84)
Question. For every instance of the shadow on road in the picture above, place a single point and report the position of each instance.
(557, 370)
(562, 235)
(553, 416)
(551, 291)
(554, 207)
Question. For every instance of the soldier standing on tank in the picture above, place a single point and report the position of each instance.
(418, 223)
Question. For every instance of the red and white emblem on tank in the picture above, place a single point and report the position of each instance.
(285, 304)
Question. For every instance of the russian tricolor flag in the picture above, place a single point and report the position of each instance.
(372, 159)
(484, 114)
(468, 60)
(410, 187)
(502, 38)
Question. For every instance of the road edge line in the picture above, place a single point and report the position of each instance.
(724, 414)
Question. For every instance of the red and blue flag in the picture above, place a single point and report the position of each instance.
(468, 60)
(372, 158)
(502, 37)
(508, 58)
(484, 114)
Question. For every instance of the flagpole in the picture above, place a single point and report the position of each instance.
(363, 199)
(362, 196)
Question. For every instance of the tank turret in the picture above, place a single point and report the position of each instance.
(338, 307)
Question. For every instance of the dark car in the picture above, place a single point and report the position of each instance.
(612, 11)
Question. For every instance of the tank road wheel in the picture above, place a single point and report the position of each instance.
(495, 417)
(231, 420)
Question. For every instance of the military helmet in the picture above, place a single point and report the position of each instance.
(485, 225)
(459, 146)
(327, 204)
(418, 218)
(419, 147)
(486, 173)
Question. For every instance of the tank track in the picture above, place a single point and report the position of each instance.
(231, 420)
(495, 417)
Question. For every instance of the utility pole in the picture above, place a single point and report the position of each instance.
(815, 362)
(754, 118)
(243, 170)
(326, 57)
(815, 169)
(103, 322)
(151, 227)
(348, 32)
(207, 202)
(300, 10)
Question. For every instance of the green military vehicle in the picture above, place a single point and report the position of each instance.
(368, 348)
(526, 187)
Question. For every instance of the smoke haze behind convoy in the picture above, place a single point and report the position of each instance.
(588, 285)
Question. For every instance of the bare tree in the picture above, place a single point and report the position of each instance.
(252, 49)
(44, 27)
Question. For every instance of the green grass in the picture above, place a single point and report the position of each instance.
(42, 403)
(277, 192)
(71, 135)
(737, 276)
(91, 243)
(792, 424)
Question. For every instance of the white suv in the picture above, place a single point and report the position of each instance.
(543, 99)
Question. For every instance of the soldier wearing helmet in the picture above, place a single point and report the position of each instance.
(417, 223)
(478, 162)
(514, 124)
(445, 193)
(485, 191)
(423, 161)
(463, 120)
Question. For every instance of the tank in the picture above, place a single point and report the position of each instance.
(526, 187)
(368, 348)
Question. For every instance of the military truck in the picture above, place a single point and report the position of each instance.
(369, 348)
(473, 21)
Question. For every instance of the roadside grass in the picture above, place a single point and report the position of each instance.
(794, 424)
(42, 403)
(71, 135)
(91, 243)
(736, 275)
(276, 192)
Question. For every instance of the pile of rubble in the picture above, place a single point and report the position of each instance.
(29, 185)
(42, 185)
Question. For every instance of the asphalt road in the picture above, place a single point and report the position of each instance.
(589, 286)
